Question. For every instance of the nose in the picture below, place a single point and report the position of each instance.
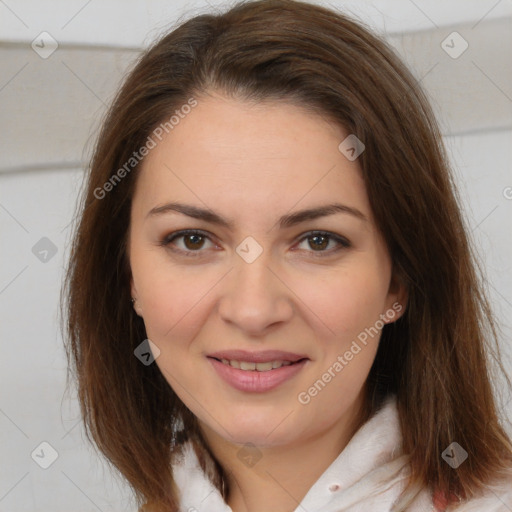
(255, 299)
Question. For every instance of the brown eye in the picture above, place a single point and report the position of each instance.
(323, 243)
(318, 242)
(193, 241)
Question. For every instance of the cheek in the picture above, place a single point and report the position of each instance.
(171, 310)
(346, 301)
(173, 299)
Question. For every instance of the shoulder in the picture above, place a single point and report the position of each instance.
(195, 487)
(497, 497)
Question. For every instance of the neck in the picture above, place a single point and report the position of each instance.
(278, 477)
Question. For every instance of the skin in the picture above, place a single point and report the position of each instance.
(251, 164)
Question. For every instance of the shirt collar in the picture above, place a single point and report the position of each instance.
(371, 465)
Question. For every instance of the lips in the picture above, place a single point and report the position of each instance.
(259, 367)
(256, 372)
(258, 357)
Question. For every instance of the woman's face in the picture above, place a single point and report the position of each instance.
(268, 315)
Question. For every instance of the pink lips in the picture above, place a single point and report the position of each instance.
(253, 380)
(258, 357)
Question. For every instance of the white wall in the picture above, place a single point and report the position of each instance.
(49, 109)
(133, 23)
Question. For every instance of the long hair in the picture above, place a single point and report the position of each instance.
(435, 358)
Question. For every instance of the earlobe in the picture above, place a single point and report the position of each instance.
(136, 306)
(398, 298)
(394, 312)
(134, 301)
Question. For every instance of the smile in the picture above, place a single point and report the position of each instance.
(259, 367)
(256, 372)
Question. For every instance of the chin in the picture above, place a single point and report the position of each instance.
(257, 438)
(257, 429)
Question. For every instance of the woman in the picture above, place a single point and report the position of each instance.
(271, 299)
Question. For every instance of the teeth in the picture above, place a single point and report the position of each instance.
(247, 366)
(264, 367)
(260, 367)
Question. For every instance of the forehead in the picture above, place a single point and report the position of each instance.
(252, 156)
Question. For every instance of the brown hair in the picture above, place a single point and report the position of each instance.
(435, 358)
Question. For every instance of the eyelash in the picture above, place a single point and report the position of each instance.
(167, 242)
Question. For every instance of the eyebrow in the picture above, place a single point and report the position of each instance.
(285, 221)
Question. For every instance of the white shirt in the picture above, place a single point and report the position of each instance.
(367, 476)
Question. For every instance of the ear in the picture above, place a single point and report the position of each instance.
(135, 298)
(396, 302)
